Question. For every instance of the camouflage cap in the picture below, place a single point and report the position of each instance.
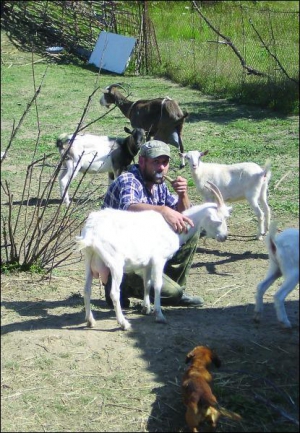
(154, 149)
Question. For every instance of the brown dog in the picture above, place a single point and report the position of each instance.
(201, 404)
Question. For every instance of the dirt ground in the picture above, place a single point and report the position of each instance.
(57, 375)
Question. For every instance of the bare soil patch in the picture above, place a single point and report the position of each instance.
(57, 375)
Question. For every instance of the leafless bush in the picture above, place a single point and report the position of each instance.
(34, 234)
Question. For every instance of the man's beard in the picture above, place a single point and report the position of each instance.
(156, 178)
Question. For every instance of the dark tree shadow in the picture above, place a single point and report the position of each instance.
(30, 36)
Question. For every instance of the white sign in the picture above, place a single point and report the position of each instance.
(112, 52)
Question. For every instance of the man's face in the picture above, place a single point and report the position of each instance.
(154, 169)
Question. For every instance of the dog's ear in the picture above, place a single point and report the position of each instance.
(215, 359)
(189, 356)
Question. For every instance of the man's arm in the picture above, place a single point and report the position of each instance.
(176, 220)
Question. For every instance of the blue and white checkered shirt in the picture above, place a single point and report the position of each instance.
(129, 188)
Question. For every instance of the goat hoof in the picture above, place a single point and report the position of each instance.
(285, 325)
(256, 318)
(91, 323)
(161, 320)
(146, 310)
(126, 326)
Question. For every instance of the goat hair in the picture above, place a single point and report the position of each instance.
(241, 181)
(119, 241)
(161, 118)
(90, 153)
(283, 261)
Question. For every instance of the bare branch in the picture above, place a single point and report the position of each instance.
(96, 120)
(271, 54)
(83, 115)
(249, 69)
(45, 233)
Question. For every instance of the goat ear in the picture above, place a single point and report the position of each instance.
(127, 130)
(204, 153)
(189, 356)
(229, 208)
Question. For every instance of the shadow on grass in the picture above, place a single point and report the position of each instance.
(225, 112)
(30, 36)
(47, 320)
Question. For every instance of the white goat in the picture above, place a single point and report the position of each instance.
(245, 180)
(119, 241)
(283, 261)
(96, 154)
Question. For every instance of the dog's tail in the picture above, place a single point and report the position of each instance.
(228, 413)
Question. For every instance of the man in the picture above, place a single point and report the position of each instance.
(141, 188)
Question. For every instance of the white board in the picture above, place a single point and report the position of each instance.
(112, 52)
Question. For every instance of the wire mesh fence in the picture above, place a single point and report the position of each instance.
(223, 50)
(216, 50)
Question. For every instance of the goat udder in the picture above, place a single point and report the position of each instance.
(99, 270)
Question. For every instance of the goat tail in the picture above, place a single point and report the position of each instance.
(228, 413)
(273, 229)
(81, 243)
(270, 240)
(267, 169)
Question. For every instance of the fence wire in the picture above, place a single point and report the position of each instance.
(266, 40)
(186, 48)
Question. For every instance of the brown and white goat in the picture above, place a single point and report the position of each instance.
(90, 153)
(162, 118)
(201, 404)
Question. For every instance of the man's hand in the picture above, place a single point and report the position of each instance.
(180, 185)
(176, 220)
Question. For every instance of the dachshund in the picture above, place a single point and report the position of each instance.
(201, 403)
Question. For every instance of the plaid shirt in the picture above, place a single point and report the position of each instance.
(129, 188)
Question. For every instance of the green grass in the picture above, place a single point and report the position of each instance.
(184, 48)
(231, 132)
(190, 55)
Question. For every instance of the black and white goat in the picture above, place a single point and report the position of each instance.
(118, 241)
(241, 181)
(96, 154)
(283, 251)
(161, 118)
